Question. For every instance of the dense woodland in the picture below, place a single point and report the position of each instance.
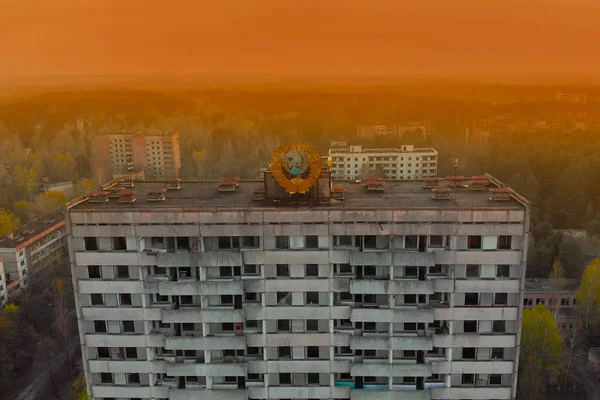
(232, 131)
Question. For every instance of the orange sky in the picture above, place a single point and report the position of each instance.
(392, 37)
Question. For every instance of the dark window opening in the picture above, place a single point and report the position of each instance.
(94, 272)
(474, 242)
(119, 243)
(312, 242)
(91, 243)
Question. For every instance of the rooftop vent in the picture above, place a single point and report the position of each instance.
(375, 184)
(156, 195)
(228, 184)
(173, 184)
(127, 196)
(478, 184)
(500, 194)
(441, 193)
(113, 191)
(338, 193)
(431, 182)
(456, 181)
(99, 196)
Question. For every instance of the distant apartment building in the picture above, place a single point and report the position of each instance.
(558, 297)
(32, 246)
(373, 130)
(406, 162)
(571, 97)
(3, 289)
(154, 152)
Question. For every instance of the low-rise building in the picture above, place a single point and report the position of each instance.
(33, 245)
(406, 162)
(558, 296)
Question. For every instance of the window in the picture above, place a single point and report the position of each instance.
(468, 379)
(312, 242)
(97, 299)
(343, 269)
(133, 378)
(94, 272)
(106, 377)
(122, 272)
(226, 299)
(410, 299)
(436, 241)
(312, 270)
(312, 378)
(474, 242)
(343, 240)
(501, 299)
(103, 352)
(128, 326)
(282, 242)
(91, 243)
(468, 353)
(249, 241)
(284, 352)
(131, 352)
(183, 243)
(254, 377)
(251, 297)
(504, 242)
(119, 243)
(503, 271)
(410, 326)
(499, 326)
(540, 300)
(250, 269)
(312, 297)
(227, 326)
(225, 272)
(283, 325)
(370, 242)
(312, 325)
(224, 242)
(160, 270)
(471, 299)
(472, 271)
(284, 298)
(283, 270)
(409, 354)
(312, 352)
(528, 302)
(411, 271)
(285, 379)
(370, 326)
(495, 379)
(410, 241)
(369, 270)
(497, 353)
(565, 302)
(100, 326)
(470, 326)
(125, 299)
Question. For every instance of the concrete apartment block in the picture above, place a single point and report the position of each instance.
(216, 295)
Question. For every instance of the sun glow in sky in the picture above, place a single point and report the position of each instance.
(388, 37)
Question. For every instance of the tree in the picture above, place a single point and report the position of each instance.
(49, 201)
(62, 320)
(79, 387)
(569, 253)
(22, 209)
(84, 186)
(26, 179)
(8, 222)
(541, 352)
(588, 297)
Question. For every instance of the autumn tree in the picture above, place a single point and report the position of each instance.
(588, 297)
(49, 201)
(22, 209)
(541, 353)
(557, 279)
(27, 180)
(8, 222)
(84, 186)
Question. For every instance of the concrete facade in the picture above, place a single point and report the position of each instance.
(559, 296)
(406, 162)
(3, 285)
(156, 153)
(34, 245)
(213, 300)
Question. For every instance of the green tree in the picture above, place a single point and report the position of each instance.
(588, 297)
(8, 222)
(541, 353)
(22, 209)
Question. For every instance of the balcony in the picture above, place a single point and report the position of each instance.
(213, 369)
(396, 315)
(198, 316)
(297, 312)
(371, 286)
(463, 313)
(208, 394)
(390, 395)
(409, 258)
(475, 393)
(204, 343)
(197, 288)
(474, 340)
(387, 369)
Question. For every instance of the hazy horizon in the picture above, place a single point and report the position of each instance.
(465, 39)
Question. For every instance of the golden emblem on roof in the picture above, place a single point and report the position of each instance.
(296, 166)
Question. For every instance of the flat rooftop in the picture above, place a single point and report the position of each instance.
(538, 285)
(381, 150)
(195, 195)
(32, 229)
